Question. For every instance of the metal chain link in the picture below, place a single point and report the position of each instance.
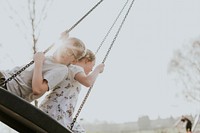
(116, 35)
(17, 73)
(84, 16)
(119, 14)
(114, 39)
(80, 108)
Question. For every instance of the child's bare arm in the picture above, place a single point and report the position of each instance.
(39, 85)
(88, 80)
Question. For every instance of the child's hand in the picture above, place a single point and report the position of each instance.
(100, 67)
(64, 35)
(39, 57)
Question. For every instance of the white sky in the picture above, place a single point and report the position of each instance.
(135, 81)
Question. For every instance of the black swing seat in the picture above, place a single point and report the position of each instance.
(26, 118)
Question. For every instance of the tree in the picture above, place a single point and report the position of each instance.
(185, 65)
(28, 17)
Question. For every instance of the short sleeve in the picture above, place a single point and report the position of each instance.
(55, 76)
(75, 69)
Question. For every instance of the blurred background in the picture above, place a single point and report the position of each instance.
(152, 73)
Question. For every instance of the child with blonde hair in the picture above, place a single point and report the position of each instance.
(46, 73)
(60, 103)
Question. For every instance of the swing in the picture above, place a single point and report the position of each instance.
(24, 117)
(13, 109)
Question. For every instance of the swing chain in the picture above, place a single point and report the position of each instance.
(115, 37)
(104, 39)
(17, 73)
(84, 16)
(80, 108)
(120, 27)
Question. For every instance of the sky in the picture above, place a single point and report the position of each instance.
(135, 81)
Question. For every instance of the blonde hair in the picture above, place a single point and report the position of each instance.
(89, 56)
(73, 46)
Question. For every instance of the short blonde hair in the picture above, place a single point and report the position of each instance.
(73, 46)
(89, 56)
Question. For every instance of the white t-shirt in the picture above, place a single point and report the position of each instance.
(21, 85)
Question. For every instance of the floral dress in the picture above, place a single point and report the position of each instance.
(60, 103)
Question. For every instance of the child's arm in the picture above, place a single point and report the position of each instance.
(88, 80)
(39, 85)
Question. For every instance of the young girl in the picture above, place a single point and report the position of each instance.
(61, 102)
(46, 73)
